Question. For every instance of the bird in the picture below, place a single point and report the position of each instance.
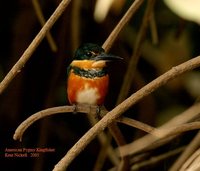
(88, 78)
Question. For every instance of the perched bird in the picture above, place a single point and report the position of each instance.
(88, 79)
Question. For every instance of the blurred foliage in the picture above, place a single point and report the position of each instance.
(41, 83)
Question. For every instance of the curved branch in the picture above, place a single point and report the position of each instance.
(130, 72)
(125, 19)
(125, 105)
(136, 124)
(34, 44)
(42, 21)
(155, 159)
(190, 149)
(184, 127)
(192, 162)
(51, 111)
(165, 131)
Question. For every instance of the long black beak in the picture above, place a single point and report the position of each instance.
(107, 57)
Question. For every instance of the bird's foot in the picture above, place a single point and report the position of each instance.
(98, 112)
(74, 108)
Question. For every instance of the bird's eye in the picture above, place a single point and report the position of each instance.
(91, 53)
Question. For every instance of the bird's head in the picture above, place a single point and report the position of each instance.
(91, 56)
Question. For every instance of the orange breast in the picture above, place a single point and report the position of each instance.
(87, 90)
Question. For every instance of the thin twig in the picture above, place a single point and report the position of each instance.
(125, 105)
(157, 135)
(103, 139)
(113, 127)
(156, 159)
(181, 128)
(136, 124)
(102, 155)
(34, 44)
(119, 138)
(195, 143)
(192, 164)
(167, 130)
(153, 28)
(167, 133)
(125, 19)
(42, 21)
(107, 45)
(136, 53)
(51, 111)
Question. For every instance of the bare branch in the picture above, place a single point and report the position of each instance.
(156, 159)
(34, 44)
(190, 149)
(193, 162)
(125, 105)
(165, 131)
(130, 73)
(125, 19)
(136, 124)
(42, 21)
(51, 111)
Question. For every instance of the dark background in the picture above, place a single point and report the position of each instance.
(41, 83)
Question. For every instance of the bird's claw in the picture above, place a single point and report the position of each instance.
(98, 112)
(75, 108)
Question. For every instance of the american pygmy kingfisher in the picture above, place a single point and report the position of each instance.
(88, 79)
